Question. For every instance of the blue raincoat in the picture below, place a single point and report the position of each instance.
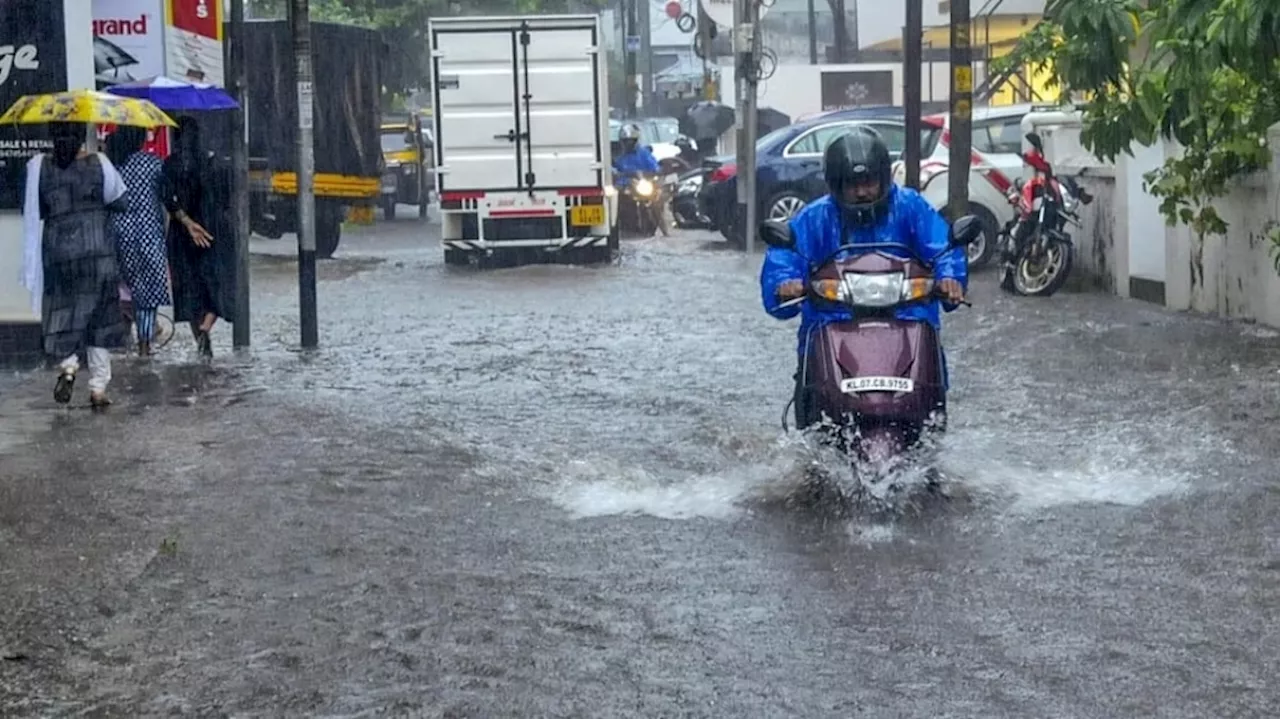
(638, 160)
(911, 221)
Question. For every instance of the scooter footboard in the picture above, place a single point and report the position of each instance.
(879, 369)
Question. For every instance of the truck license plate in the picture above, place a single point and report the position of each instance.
(586, 215)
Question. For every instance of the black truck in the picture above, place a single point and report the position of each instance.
(347, 64)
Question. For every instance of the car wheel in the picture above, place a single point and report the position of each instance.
(784, 205)
(982, 249)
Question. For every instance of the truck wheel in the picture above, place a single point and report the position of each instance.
(389, 209)
(328, 231)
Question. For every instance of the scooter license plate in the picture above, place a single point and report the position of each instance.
(856, 385)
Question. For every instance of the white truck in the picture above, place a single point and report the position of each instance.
(522, 144)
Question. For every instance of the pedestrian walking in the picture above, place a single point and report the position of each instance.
(139, 230)
(69, 259)
(201, 246)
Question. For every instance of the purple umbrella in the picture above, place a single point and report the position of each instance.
(176, 95)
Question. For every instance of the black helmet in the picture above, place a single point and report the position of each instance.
(855, 157)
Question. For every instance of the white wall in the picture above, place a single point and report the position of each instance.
(1145, 223)
(1231, 275)
(15, 303)
(796, 89)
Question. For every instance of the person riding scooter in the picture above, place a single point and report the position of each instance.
(864, 206)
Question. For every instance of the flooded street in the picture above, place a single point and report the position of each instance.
(562, 492)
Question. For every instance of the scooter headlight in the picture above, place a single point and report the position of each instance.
(644, 187)
(884, 289)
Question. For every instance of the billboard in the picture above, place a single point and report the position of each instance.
(33, 61)
(128, 40)
(846, 89)
(193, 40)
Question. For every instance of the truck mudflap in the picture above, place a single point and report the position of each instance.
(487, 246)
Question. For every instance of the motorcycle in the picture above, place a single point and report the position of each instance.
(877, 380)
(641, 207)
(684, 203)
(1036, 250)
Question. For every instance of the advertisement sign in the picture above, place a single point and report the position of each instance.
(193, 40)
(128, 40)
(33, 60)
(844, 90)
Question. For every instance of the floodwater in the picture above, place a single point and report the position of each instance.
(564, 492)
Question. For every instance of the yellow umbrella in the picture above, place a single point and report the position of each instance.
(86, 106)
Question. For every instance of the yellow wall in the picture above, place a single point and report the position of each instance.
(1000, 33)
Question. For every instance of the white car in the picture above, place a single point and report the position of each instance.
(996, 161)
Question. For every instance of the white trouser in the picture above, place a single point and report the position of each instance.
(99, 367)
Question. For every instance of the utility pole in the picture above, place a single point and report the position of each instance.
(239, 174)
(813, 34)
(646, 57)
(300, 24)
(912, 65)
(746, 43)
(961, 112)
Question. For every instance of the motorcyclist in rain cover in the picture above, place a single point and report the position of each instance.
(634, 159)
(864, 206)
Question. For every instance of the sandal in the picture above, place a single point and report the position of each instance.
(65, 386)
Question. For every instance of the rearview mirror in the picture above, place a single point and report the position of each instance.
(1035, 141)
(965, 230)
(777, 233)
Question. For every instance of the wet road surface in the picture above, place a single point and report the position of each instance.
(562, 492)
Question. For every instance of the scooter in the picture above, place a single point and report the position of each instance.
(1036, 250)
(876, 380)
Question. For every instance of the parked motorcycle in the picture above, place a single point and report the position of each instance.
(877, 379)
(1036, 250)
(684, 203)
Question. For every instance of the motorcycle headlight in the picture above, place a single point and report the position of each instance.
(883, 289)
(1069, 202)
(644, 187)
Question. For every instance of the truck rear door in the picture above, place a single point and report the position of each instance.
(519, 107)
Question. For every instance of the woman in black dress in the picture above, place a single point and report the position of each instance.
(201, 242)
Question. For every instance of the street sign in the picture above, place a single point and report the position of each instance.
(721, 11)
(673, 9)
(633, 43)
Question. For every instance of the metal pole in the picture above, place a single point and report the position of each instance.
(912, 64)
(961, 111)
(813, 34)
(704, 38)
(752, 125)
(646, 58)
(300, 22)
(239, 174)
(741, 68)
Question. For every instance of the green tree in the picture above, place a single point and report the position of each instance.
(1205, 73)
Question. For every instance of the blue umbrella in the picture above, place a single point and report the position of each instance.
(176, 95)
